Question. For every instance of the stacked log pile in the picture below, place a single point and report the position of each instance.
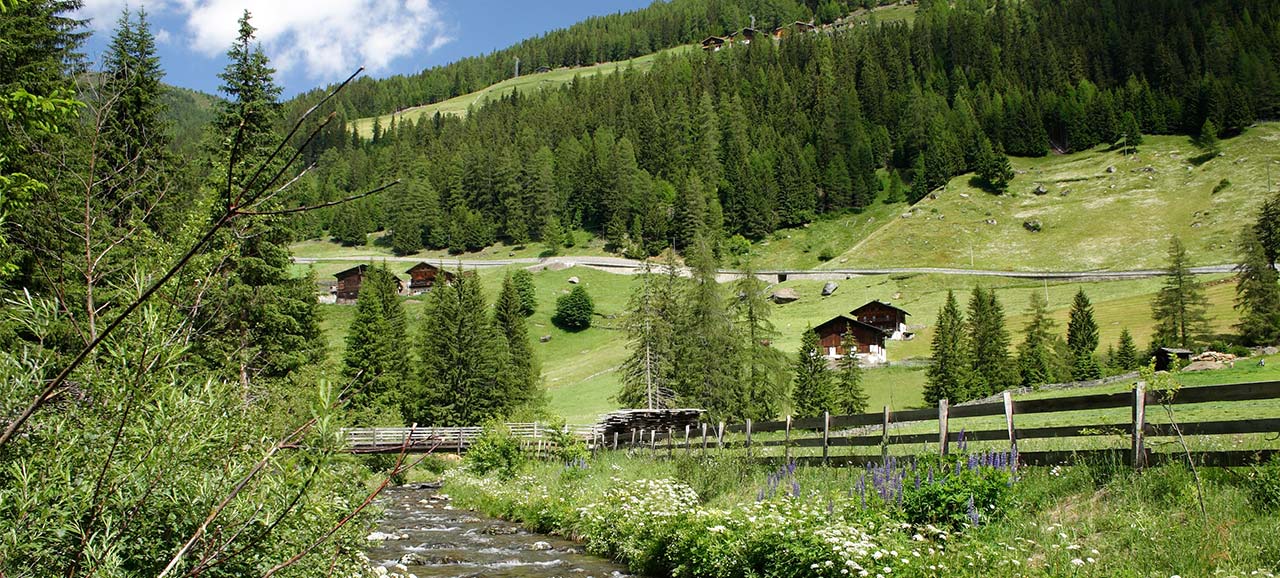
(623, 421)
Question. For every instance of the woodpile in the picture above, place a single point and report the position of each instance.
(625, 420)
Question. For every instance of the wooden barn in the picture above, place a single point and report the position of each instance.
(713, 43)
(422, 277)
(793, 28)
(349, 281)
(869, 337)
(885, 316)
(746, 35)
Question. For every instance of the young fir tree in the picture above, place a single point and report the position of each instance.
(574, 311)
(1207, 140)
(850, 397)
(814, 390)
(415, 214)
(459, 371)
(1126, 356)
(1036, 352)
(1257, 292)
(706, 347)
(650, 325)
(948, 376)
(763, 368)
(988, 346)
(378, 343)
(523, 280)
(1082, 339)
(259, 320)
(1179, 308)
(522, 374)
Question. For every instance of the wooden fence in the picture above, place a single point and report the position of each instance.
(536, 436)
(851, 431)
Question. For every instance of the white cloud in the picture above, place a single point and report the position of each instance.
(163, 36)
(327, 39)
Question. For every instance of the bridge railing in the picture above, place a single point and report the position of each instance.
(458, 438)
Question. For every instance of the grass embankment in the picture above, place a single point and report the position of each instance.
(528, 82)
(1091, 218)
(705, 517)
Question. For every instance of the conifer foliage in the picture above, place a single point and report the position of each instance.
(574, 311)
(1082, 339)
(814, 391)
(459, 370)
(851, 397)
(948, 376)
(378, 349)
(1179, 308)
(1036, 353)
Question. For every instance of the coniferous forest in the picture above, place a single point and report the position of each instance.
(753, 138)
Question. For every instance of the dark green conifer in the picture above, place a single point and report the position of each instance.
(814, 390)
(1082, 339)
(948, 375)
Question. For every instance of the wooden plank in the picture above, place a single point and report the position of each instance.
(826, 434)
(1217, 427)
(786, 451)
(976, 410)
(884, 446)
(1231, 392)
(809, 423)
(929, 414)
(1075, 403)
(1008, 419)
(1137, 446)
(858, 420)
(769, 426)
(942, 427)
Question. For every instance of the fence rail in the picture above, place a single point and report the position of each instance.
(417, 439)
(852, 431)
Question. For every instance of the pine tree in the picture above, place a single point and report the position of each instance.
(763, 368)
(1179, 308)
(993, 166)
(522, 374)
(523, 280)
(459, 369)
(814, 391)
(850, 397)
(1257, 293)
(1267, 229)
(1131, 133)
(1126, 357)
(378, 343)
(1082, 339)
(948, 376)
(415, 215)
(650, 325)
(897, 190)
(1207, 140)
(1036, 353)
(706, 372)
(988, 345)
(574, 311)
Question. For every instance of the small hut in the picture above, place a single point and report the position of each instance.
(885, 316)
(422, 277)
(348, 287)
(1167, 356)
(713, 43)
(870, 339)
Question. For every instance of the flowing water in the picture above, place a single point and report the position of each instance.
(422, 532)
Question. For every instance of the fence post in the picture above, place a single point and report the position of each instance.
(943, 411)
(615, 440)
(1139, 425)
(671, 439)
(686, 439)
(704, 438)
(633, 437)
(884, 442)
(720, 437)
(786, 444)
(748, 438)
(826, 434)
(1008, 420)
(459, 440)
(653, 442)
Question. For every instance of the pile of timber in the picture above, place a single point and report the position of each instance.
(623, 421)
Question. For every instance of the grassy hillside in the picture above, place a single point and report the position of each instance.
(1092, 218)
(528, 82)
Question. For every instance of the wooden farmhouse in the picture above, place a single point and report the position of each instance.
(892, 320)
(745, 36)
(422, 277)
(713, 43)
(349, 281)
(796, 27)
(870, 339)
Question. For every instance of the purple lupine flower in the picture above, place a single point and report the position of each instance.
(930, 478)
(957, 468)
(973, 512)
(795, 488)
(760, 496)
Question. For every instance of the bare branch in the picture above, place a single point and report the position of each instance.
(323, 205)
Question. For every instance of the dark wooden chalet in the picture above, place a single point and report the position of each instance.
(869, 337)
(793, 28)
(746, 35)
(349, 282)
(713, 43)
(893, 320)
(422, 277)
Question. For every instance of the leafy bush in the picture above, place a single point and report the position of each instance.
(523, 280)
(574, 311)
(569, 447)
(737, 245)
(1263, 484)
(1222, 184)
(496, 452)
(826, 254)
(958, 498)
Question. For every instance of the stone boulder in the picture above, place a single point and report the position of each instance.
(829, 288)
(574, 280)
(785, 295)
(1033, 225)
(1041, 190)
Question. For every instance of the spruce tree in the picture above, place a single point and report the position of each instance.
(1082, 339)
(814, 390)
(763, 368)
(1207, 140)
(523, 280)
(1179, 308)
(459, 367)
(948, 376)
(1257, 293)
(378, 343)
(850, 396)
(706, 345)
(650, 324)
(574, 311)
(1126, 357)
(1036, 353)
(988, 345)
(522, 375)
(1267, 229)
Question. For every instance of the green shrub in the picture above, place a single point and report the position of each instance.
(1222, 184)
(1263, 484)
(496, 452)
(958, 499)
(574, 311)
(826, 254)
(737, 245)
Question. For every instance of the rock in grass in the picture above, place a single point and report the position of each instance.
(829, 288)
(785, 295)
(1032, 225)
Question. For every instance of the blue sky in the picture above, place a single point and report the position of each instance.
(317, 42)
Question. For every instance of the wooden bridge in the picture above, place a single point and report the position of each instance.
(458, 439)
